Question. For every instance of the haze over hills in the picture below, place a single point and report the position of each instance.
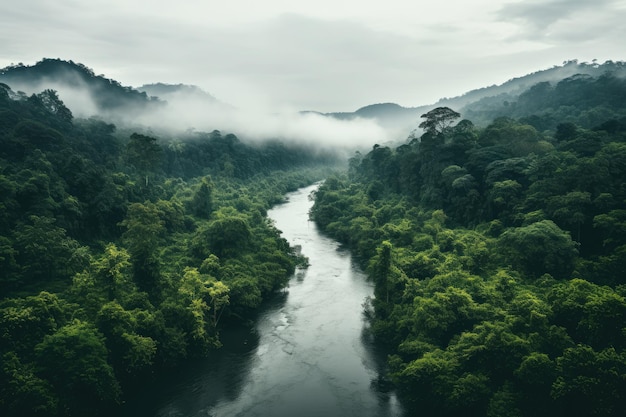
(394, 114)
(175, 108)
(163, 91)
(182, 106)
(84, 92)
(511, 238)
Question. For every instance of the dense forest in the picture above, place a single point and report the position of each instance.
(498, 253)
(495, 237)
(123, 253)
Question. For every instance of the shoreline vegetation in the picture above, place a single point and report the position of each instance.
(496, 239)
(124, 253)
(499, 261)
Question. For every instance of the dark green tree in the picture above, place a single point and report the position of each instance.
(74, 360)
(144, 233)
(144, 154)
(540, 248)
(203, 199)
(438, 120)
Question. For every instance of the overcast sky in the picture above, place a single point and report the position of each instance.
(325, 55)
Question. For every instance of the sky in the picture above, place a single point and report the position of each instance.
(323, 55)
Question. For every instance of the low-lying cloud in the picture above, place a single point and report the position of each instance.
(182, 112)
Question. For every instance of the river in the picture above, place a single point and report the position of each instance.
(308, 355)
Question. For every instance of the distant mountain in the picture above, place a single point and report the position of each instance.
(391, 114)
(164, 91)
(184, 96)
(386, 114)
(86, 94)
(516, 86)
(79, 87)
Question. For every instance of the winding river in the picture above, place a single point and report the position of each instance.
(309, 354)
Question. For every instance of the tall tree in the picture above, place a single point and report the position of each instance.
(144, 232)
(74, 359)
(203, 199)
(144, 153)
(438, 120)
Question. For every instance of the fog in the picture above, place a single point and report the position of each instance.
(186, 111)
(78, 99)
(336, 56)
(258, 124)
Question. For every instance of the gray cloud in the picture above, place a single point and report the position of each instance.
(536, 17)
(290, 59)
(315, 62)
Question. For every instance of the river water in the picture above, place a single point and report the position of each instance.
(308, 355)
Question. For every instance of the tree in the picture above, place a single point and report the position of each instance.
(129, 351)
(25, 321)
(225, 236)
(43, 249)
(535, 375)
(565, 131)
(22, 392)
(74, 360)
(502, 198)
(144, 153)
(8, 266)
(143, 235)
(144, 229)
(438, 120)
(201, 295)
(491, 347)
(570, 209)
(51, 101)
(245, 293)
(111, 272)
(425, 383)
(203, 199)
(444, 314)
(591, 383)
(218, 294)
(612, 227)
(540, 248)
(380, 268)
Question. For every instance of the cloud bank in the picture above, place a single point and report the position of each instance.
(336, 55)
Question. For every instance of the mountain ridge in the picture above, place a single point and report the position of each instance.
(111, 97)
(388, 113)
(107, 95)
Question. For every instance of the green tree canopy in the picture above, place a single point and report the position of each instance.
(438, 120)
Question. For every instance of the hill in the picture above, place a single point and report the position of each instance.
(123, 254)
(84, 92)
(498, 253)
(534, 96)
(164, 91)
(389, 115)
(479, 104)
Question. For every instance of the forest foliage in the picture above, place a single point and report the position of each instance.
(498, 254)
(123, 253)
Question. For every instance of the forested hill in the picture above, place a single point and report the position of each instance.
(79, 84)
(586, 98)
(124, 252)
(484, 104)
(164, 91)
(498, 254)
(81, 89)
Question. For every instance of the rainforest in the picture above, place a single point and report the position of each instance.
(493, 234)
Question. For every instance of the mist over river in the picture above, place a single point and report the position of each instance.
(308, 353)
